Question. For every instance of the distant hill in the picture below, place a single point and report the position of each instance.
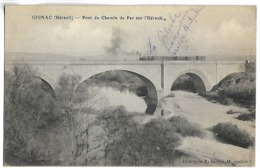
(12, 56)
(232, 58)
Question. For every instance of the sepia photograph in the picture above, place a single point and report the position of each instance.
(138, 85)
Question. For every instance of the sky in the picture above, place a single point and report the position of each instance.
(217, 32)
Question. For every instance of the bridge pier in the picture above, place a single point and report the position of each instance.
(160, 93)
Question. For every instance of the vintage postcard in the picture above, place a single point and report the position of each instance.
(129, 85)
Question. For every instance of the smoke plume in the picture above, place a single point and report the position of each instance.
(117, 44)
(118, 38)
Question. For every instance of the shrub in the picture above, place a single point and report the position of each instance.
(230, 133)
(152, 144)
(220, 98)
(232, 112)
(246, 117)
(252, 111)
(177, 105)
(185, 128)
(170, 95)
(241, 91)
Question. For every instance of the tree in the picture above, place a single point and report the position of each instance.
(114, 122)
(77, 120)
(28, 114)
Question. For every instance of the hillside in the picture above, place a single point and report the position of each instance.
(236, 88)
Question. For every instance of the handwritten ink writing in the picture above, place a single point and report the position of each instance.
(172, 36)
(151, 48)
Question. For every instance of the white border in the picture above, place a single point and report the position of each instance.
(1, 82)
(117, 2)
(133, 2)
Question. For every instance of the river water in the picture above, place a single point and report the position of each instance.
(103, 97)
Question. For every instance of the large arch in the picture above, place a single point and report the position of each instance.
(46, 86)
(200, 80)
(152, 96)
(50, 81)
(151, 75)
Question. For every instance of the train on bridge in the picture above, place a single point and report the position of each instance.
(177, 58)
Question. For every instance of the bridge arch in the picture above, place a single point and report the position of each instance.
(53, 84)
(152, 96)
(200, 80)
(46, 86)
(155, 78)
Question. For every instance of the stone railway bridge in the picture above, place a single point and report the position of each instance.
(158, 76)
